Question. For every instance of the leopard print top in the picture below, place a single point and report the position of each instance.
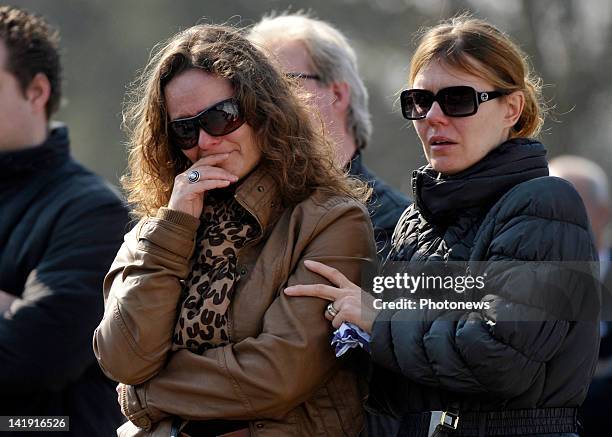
(225, 228)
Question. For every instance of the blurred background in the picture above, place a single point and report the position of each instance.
(105, 42)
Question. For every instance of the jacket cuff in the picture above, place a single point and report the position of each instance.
(153, 413)
(171, 230)
(179, 218)
(132, 408)
(136, 409)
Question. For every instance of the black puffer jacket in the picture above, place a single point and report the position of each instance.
(503, 208)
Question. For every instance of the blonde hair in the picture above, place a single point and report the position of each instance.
(296, 155)
(479, 48)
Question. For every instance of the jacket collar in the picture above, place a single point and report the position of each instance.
(260, 196)
(50, 154)
(440, 199)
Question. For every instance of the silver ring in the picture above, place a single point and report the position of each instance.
(193, 176)
(331, 310)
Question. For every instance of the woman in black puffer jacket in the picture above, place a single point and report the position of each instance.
(521, 365)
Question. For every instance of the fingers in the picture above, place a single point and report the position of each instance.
(331, 274)
(188, 196)
(338, 320)
(206, 173)
(208, 184)
(347, 304)
(315, 290)
(345, 296)
(215, 174)
(214, 159)
(348, 310)
(209, 168)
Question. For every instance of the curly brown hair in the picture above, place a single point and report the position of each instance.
(296, 154)
(32, 46)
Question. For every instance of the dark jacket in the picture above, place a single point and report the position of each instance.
(595, 411)
(60, 227)
(504, 208)
(385, 206)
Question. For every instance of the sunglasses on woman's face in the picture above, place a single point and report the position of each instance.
(454, 101)
(220, 119)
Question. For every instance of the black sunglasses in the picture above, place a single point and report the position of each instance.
(455, 101)
(220, 119)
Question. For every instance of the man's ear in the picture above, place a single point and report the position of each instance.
(342, 96)
(38, 92)
(515, 102)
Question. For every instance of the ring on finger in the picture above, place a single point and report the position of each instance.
(193, 176)
(331, 310)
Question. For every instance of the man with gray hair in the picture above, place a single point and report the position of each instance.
(591, 182)
(319, 56)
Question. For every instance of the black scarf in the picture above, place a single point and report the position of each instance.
(441, 199)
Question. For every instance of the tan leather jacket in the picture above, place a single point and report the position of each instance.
(279, 373)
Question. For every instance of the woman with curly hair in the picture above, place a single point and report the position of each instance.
(236, 191)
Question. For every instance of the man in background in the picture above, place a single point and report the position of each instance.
(60, 227)
(591, 182)
(320, 57)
